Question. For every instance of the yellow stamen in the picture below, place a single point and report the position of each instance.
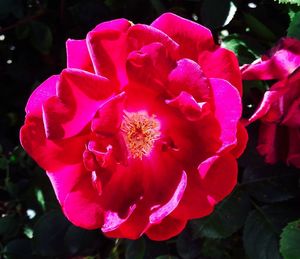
(140, 132)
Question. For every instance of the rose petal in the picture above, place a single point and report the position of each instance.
(188, 106)
(141, 35)
(169, 227)
(188, 76)
(78, 55)
(163, 211)
(112, 220)
(107, 45)
(82, 206)
(270, 104)
(191, 37)
(108, 118)
(218, 176)
(79, 95)
(50, 155)
(221, 63)
(65, 179)
(43, 92)
(282, 63)
(292, 118)
(149, 66)
(194, 203)
(242, 140)
(228, 109)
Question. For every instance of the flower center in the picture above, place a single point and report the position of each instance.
(140, 132)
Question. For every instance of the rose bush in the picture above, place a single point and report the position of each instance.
(141, 131)
(279, 111)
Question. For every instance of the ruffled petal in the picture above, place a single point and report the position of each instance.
(281, 64)
(112, 220)
(228, 109)
(222, 63)
(146, 213)
(218, 176)
(124, 188)
(150, 66)
(168, 227)
(108, 118)
(195, 202)
(82, 206)
(163, 211)
(141, 35)
(135, 225)
(108, 49)
(191, 37)
(50, 155)
(188, 106)
(43, 92)
(79, 95)
(269, 106)
(292, 118)
(188, 76)
(65, 179)
(242, 140)
(78, 55)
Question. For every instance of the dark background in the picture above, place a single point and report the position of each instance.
(32, 48)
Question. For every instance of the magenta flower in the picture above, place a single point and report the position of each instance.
(279, 111)
(140, 132)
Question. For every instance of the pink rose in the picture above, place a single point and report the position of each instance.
(140, 132)
(279, 111)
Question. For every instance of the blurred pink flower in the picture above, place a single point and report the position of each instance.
(279, 111)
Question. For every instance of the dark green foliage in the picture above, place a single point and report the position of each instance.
(294, 28)
(263, 228)
(290, 240)
(135, 249)
(251, 223)
(227, 218)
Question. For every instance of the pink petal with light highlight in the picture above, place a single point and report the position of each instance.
(46, 90)
(167, 208)
(191, 37)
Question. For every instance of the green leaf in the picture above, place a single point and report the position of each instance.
(166, 257)
(262, 230)
(290, 240)
(187, 246)
(41, 36)
(227, 218)
(216, 249)
(289, 1)
(135, 249)
(294, 27)
(78, 240)
(3, 163)
(217, 17)
(18, 249)
(9, 226)
(270, 184)
(40, 198)
(259, 28)
(246, 49)
(48, 234)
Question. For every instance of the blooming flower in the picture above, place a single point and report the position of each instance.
(140, 132)
(279, 111)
